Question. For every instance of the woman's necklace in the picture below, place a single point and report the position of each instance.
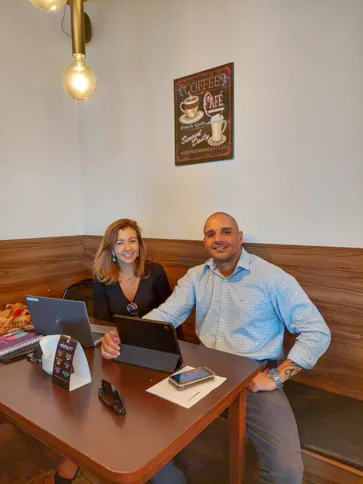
(125, 280)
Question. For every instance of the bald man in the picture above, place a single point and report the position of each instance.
(243, 306)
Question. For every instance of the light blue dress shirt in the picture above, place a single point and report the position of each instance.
(247, 312)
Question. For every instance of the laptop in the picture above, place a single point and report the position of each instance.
(151, 344)
(64, 316)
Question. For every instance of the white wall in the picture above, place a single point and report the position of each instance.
(40, 176)
(297, 176)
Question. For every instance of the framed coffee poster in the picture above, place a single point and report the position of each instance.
(203, 105)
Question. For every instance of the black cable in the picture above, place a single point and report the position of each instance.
(64, 14)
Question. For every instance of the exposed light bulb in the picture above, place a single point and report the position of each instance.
(49, 5)
(79, 80)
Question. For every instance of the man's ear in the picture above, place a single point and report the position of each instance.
(205, 246)
(240, 235)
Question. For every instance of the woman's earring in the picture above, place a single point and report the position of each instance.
(113, 258)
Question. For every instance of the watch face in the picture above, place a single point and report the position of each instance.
(274, 372)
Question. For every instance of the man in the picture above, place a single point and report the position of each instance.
(243, 305)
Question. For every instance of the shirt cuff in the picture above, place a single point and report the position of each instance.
(302, 357)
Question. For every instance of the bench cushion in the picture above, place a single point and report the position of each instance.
(329, 424)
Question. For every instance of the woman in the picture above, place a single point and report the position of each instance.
(124, 283)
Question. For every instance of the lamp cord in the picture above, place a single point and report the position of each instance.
(62, 25)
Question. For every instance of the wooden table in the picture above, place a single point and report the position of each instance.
(133, 448)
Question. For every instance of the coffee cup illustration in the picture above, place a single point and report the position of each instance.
(218, 125)
(190, 105)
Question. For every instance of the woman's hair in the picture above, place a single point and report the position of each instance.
(104, 268)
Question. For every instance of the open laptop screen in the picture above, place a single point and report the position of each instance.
(60, 316)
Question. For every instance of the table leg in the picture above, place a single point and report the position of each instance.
(237, 431)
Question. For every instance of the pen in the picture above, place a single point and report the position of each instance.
(193, 396)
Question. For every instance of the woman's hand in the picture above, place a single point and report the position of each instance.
(110, 345)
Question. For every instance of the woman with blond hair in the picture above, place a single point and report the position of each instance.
(124, 283)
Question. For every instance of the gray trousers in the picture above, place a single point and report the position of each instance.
(271, 426)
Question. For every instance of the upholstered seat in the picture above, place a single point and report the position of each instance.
(330, 425)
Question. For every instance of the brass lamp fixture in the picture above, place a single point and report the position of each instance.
(78, 79)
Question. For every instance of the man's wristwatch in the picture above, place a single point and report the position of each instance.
(273, 373)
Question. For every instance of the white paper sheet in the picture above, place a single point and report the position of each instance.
(188, 397)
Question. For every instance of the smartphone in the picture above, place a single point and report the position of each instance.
(191, 377)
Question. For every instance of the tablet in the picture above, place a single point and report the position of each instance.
(151, 344)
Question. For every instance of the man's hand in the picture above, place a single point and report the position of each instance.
(110, 345)
(262, 383)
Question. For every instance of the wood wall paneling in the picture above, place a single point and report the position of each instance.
(42, 267)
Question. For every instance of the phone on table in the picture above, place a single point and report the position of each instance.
(191, 377)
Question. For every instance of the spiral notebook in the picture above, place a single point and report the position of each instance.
(13, 342)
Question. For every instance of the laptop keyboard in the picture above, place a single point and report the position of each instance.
(97, 335)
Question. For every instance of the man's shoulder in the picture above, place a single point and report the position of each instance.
(264, 268)
(196, 271)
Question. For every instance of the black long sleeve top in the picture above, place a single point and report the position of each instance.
(110, 300)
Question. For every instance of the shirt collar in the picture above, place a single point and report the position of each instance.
(243, 262)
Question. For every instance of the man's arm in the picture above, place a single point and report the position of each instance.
(300, 316)
(180, 304)
(288, 369)
(262, 382)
